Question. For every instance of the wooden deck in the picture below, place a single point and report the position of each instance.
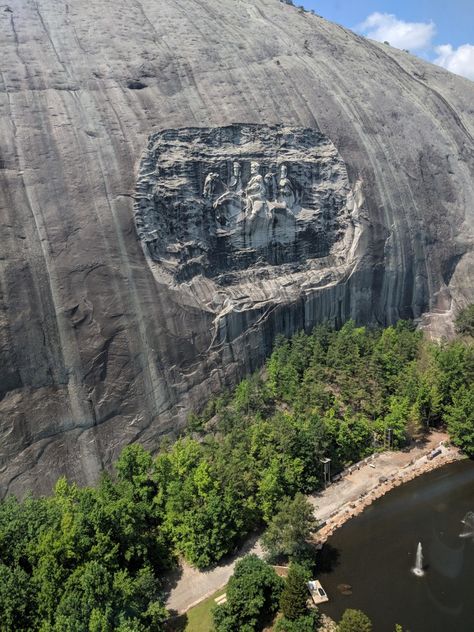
(318, 594)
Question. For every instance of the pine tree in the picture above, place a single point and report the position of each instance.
(293, 600)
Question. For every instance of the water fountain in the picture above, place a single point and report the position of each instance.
(418, 569)
(468, 529)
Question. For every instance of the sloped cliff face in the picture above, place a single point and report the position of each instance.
(111, 332)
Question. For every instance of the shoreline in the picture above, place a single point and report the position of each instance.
(414, 469)
(339, 502)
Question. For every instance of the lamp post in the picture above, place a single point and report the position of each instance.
(326, 471)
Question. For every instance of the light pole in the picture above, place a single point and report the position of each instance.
(326, 471)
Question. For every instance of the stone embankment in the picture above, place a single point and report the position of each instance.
(442, 454)
(327, 624)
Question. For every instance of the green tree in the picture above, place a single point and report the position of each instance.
(17, 599)
(306, 623)
(294, 597)
(86, 590)
(354, 438)
(464, 322)
(134, 465)
(290, 528)
(399, 416)
(455, 367)
(283, 376)
(354, 621)
(205, 511)
(253, 593)
(396, 347)
(460, 419)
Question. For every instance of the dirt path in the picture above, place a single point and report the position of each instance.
(335, 505)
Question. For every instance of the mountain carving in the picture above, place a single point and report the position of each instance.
(221, 201)
(182, 181)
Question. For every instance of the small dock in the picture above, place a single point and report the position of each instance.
(317, 592)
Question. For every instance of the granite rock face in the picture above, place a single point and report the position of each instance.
(181, 181)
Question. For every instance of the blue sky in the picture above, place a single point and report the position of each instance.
(441, 31)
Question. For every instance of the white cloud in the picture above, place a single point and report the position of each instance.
(386, 27)
(459, 60)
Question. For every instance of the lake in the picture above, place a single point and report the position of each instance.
(375, 552)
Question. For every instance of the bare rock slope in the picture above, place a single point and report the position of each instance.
(127, 296)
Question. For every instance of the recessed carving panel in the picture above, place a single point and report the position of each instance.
(215, 201)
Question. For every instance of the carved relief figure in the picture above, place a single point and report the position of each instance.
(271, 184)
(229, 204)
(224, 200)
(235, 183)
(286, 191)
(261, 196)
(255, 191)
(210, 185)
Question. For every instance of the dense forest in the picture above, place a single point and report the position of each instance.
(93, 559)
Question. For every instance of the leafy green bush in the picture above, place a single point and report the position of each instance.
(289, 528)
(354, 621)
(460, 419)
(306, 623)
(253, 594)
(465, 321)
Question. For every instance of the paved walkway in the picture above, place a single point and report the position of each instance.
(334, 505)
(352, 494)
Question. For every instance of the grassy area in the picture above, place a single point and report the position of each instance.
(199, 617)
